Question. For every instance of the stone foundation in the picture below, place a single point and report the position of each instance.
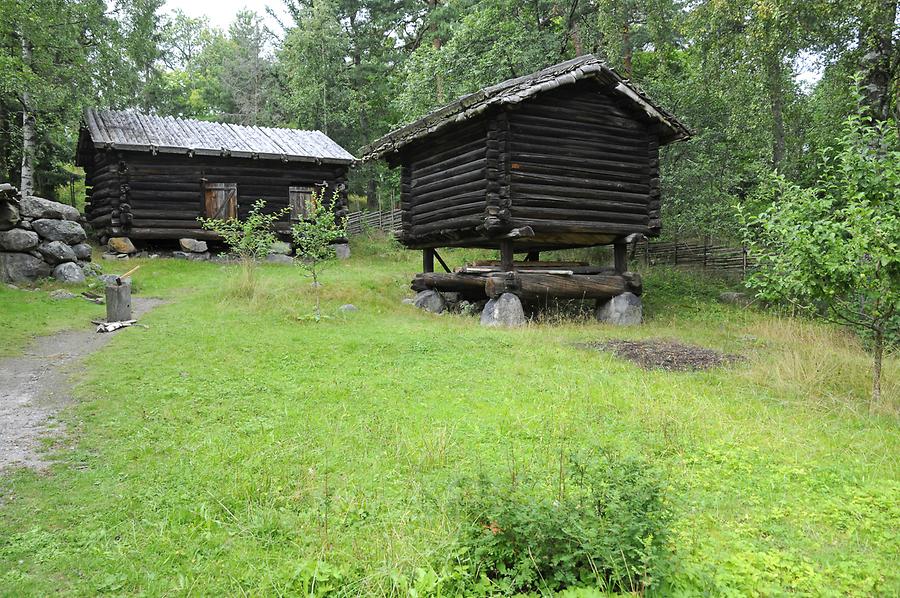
(40, 238)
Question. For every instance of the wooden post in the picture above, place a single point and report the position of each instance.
(506, 255)
(705, 249)
(118, 301)
(428, 260)
(620, 256)
(533, 256)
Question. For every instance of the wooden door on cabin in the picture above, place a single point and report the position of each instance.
(301, 202)
(220, 200)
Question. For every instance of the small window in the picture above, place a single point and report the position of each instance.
(301, 200)
(220, 200)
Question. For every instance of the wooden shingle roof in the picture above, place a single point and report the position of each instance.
(130, 130)
(520, 89)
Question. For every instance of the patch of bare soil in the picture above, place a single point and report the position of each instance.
(653, 354)
(35, 386)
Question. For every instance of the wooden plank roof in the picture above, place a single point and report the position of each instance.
(520, 89)
(130, 130)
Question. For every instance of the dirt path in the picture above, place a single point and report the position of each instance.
(35, 386)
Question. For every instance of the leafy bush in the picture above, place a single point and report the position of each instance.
(833, 249)
(249, 239)
(601, 522)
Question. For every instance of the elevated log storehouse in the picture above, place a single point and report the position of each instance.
(563, 158)
(151, 177)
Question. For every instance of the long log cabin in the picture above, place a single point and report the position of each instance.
(151, 177)
(566, 157)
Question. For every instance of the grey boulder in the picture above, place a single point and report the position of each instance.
(342, 251)
(430, 301)
(82, 251)
(623, 310)
(505, 310)
(277, 258)
(735, 298)
(120, 245)
(18, 240)
(348, 307)
(37, 207)
(280, 247)
(21, 267)
(59, 230)
(59, 294)
(193, 245)
(68, 273)
(56, 252)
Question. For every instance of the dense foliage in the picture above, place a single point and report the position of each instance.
(833, 248)
(762, 82)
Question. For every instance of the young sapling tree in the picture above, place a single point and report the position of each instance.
(249, 240)
(833, 249)
(314, 238)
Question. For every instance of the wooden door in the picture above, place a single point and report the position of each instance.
(220, 200)
(301, 202)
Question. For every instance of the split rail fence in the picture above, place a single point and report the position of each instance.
(703, 254)
(385, 220)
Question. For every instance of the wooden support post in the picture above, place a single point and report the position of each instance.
(428, 260)
(620, 254)
(506, 256)
(533, 256)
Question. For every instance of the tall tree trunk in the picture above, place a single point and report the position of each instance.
(876, 65)
(776, 103)
(372, 196)
(28, 136)
(627, 52)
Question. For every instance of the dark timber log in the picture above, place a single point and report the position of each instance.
(471, 287)
(537, 286)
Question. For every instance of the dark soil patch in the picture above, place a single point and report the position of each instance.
(656, 354)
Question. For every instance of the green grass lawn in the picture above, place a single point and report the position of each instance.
(237, 448)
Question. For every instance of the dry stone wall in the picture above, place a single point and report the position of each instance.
(40, 238)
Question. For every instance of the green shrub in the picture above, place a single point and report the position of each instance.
(600, 522)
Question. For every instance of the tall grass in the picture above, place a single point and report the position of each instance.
(820, 364)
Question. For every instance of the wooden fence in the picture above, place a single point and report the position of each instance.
(703, 254)
(385, 220)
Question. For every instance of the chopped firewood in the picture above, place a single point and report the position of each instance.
(113, 326)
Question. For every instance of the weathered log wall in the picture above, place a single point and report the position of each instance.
(581, 165)
(444, 184)
(149, 196)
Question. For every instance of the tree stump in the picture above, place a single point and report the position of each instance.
(118, 301)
